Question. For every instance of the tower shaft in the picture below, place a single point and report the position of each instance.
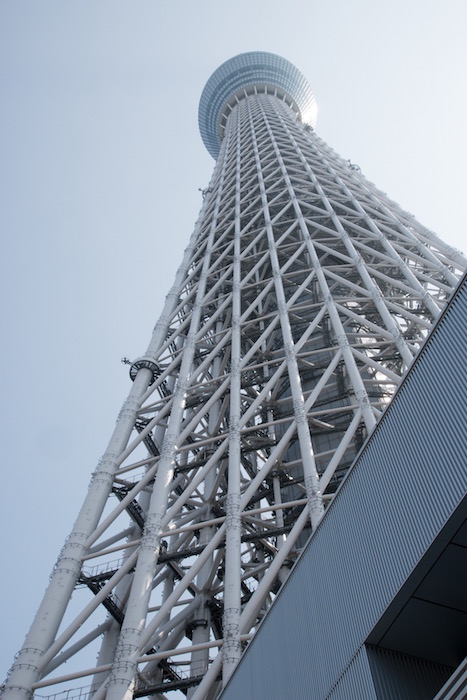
(302, 298)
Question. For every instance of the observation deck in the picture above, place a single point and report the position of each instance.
(248, 73)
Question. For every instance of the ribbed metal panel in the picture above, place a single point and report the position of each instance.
(403, 677)
(356, 681)
(455, 687)
(407, 481)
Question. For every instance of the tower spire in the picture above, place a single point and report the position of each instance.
(301, 300)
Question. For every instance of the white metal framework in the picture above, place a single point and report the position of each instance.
(302, 298)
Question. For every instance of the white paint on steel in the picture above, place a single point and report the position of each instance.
(302, 296)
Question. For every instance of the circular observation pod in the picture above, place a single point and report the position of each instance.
(246, 73)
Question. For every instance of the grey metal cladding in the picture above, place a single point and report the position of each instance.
(356, 681)
(408, 479)
(402, 677)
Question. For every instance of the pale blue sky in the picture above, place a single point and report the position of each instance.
(100, 167)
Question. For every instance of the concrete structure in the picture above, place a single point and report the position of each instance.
(302, 298)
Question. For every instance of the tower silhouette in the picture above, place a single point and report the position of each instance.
(302, 298)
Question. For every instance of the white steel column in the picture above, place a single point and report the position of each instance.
(124, 669)
(231, 648)
(68, 566)
(313, 492)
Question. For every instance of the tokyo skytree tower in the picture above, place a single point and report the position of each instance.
(302, 298)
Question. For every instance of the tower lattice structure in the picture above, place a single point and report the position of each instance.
(302, 297)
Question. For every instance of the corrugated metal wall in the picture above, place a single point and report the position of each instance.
(407, 481)
(356, 681)
(403, 677)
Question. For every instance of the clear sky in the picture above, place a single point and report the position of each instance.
(101, 163)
